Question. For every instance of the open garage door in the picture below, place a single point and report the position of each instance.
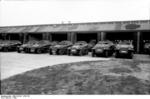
(86, 37)
(120, 36)
(13, 37)
(34, 36)
(1, 37)
(59, 37)
(145, 38)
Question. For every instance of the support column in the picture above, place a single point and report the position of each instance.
(29, 36)
(1, 36)
(9, 37)
(45, 36)
(138, 42)
(103, 36)
(21, 37)
(50, 37)
(69, 36)
(73, 37)
(4, 36)
(98, 36)
(25, 37)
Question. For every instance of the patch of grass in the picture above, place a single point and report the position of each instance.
(120, 70)
(61, 79)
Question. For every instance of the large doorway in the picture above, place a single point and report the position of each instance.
(121, 36)
(1, 37)
(86, 37)
(113, 36)
(59, 36)
(145, 38)
(13, 36)
(33, 36)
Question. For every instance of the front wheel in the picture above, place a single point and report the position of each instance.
(60, 52)
(87, 52)
(93, 54)
(131, 56)
(116, 55)
(81, 53)
(38, 51)
(106, 54)
(5, 49)
(18, 51)
(50, 52)
(68, 52)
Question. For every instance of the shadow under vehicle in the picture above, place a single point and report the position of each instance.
(39, 47)
(61, 48)
(103, 48)
(124, 49)
(147, 48)
(9, 45)
(79, 48)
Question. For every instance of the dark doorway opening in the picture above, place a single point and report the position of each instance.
(145, 38)
(86, 37)
(59, 37)
(13, 37)
(1, 37)
(121, 36)
(35, 36)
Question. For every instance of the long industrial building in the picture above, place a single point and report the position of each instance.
(137, 31)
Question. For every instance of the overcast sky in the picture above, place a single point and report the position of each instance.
(25, 12)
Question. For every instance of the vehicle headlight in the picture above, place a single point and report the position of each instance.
(54, 49)
(73, 49)
(117, 48)
(69, 48)
(105, 48)
(130, 48)
(93, 48)
(32, 49)
(20, 47)
(147, 46)
(51, 47)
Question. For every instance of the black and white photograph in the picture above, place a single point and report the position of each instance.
(74, 47)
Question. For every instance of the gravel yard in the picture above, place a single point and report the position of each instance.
(13, 63)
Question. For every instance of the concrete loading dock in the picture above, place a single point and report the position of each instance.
(136, 31)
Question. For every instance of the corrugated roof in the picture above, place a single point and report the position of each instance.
(27, 29)
(20, 29)
(12, 30)
(77, 27)
(3, 30)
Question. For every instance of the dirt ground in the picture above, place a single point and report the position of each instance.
(13, 63)
(114, 76)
